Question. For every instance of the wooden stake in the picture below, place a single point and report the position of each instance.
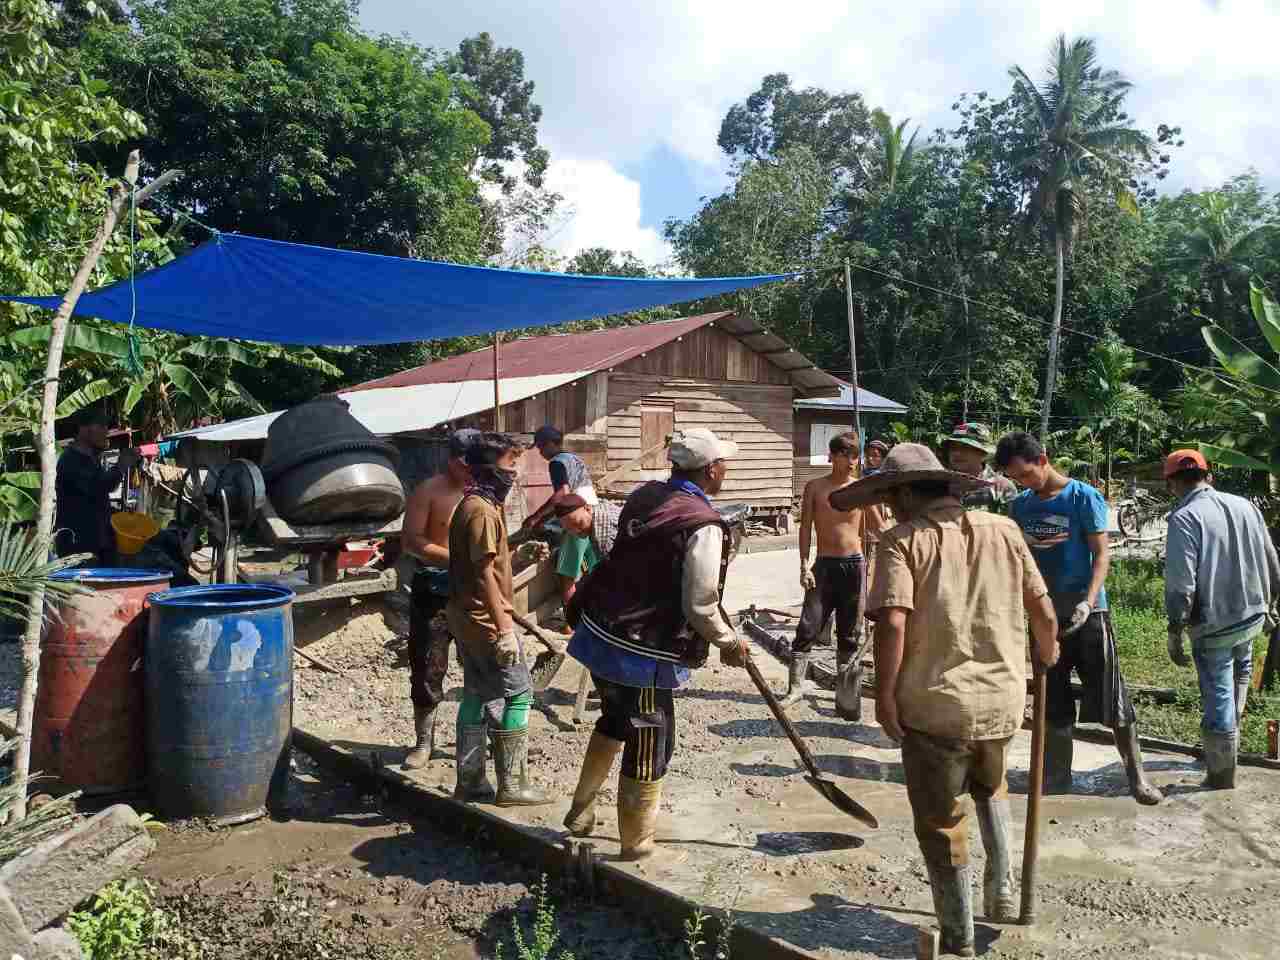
(1031, 840)
(499, 423)
(853, 359)
(49, 460)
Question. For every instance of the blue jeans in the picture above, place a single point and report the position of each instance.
(1219, 670)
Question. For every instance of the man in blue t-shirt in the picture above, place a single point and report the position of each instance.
(1065, 523)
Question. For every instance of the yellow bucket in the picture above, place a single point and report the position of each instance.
(132, 531)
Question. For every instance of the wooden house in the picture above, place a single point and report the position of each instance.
(818, 419)
(618, 392)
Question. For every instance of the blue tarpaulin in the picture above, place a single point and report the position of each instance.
(255, 289)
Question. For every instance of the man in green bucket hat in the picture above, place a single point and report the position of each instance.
(968, 450)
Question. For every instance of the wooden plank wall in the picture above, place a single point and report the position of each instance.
(757, 416)
(708, 353)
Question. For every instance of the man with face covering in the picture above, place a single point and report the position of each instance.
(644, 616)
(497, 688)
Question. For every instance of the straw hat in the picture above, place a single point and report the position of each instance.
(906, 463)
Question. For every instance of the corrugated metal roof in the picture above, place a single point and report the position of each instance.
(554, 353)
(404, 409)
(602, 349)
(868, 402)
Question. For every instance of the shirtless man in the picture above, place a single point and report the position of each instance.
(425, 535)
(835, 582)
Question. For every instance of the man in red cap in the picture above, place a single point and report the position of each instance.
(1222, 578)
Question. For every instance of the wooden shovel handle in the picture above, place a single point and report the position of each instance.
(781, 716)
(557, 645)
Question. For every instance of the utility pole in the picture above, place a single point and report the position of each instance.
(853, 359)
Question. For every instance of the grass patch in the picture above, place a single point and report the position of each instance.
(1135, 592)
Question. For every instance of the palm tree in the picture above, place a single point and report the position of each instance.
(1108, 398)
(1077, 140)
(1222, 247)
(898, 155)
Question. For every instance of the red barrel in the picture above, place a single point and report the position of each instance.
(89, 729)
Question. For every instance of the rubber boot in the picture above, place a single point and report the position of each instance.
(1220, 759)
(1127, 743)
(424, 724)
(581, 818)
(798, 683)
(849, 689)
(998, 904)
(473, 786)
(1059, 746)
(638, 802)
(511, 761)
(953, 905)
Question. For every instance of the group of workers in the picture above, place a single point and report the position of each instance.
(963, 564)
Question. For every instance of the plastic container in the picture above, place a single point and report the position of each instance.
(219, 699)
(132, 531)
(89, 721)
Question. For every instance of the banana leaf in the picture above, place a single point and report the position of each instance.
(90, 393)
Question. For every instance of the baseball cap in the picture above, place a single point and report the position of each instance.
(1181, 460)
(547, 434)
(976, 435)
(697, 447)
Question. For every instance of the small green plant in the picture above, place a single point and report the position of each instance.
(124, 924)
(546, 931)
(695, 926)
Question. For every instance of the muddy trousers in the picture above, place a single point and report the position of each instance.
(643, 719)
(428, 645)
(839, 591)
(940, 772)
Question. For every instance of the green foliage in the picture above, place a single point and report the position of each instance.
(25, 565)
(1248, 390)
(544, 935)
(1112, 405)
(123, 923)
(40, 823)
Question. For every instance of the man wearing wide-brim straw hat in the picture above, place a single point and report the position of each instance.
(952, 594)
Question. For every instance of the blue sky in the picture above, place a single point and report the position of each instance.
(633, 92)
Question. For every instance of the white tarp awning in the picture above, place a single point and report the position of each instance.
(390, 410)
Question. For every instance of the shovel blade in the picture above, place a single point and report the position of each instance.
(842, 800)
(545, 667)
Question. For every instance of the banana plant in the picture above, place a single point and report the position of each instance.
(1249, 387)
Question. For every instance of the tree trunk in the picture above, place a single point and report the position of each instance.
(1055, 335)
(1108, 442)
(49, 466)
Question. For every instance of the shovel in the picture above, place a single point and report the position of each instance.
(547, 663)
(820, 783)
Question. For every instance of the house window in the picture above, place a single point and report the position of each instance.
(820, 435)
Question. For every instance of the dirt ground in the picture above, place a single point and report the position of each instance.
(1196, 877)
(382, 876)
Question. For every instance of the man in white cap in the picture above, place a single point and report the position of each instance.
(640, 645)
(952, 595)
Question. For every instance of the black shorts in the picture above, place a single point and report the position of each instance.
(1091, 653)
(644, 719)
(839, 590)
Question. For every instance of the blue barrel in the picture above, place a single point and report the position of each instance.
(219, 699)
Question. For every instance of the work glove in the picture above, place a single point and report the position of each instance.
(508, 649)
(1176, 640)
(1079, 616)
(807, 579)
(533, 551)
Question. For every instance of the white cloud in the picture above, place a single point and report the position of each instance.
(618, 80)
(601, 209)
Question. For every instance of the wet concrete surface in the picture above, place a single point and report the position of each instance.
(741, 829)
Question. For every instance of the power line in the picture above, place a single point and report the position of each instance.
(1080, 333)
